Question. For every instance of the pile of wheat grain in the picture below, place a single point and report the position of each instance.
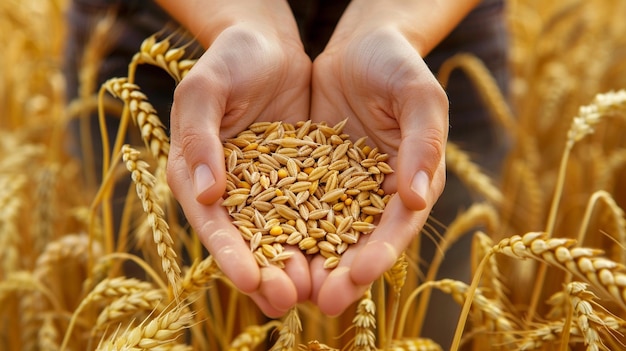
(548, 253)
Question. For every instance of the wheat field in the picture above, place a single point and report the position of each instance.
(548, 251)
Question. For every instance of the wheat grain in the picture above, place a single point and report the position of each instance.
(308, 175)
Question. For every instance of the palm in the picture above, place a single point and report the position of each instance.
(244, 77)
(382, 85)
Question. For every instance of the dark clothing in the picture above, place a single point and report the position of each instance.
(481, 33)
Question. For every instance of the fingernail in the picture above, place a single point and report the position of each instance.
(203, 179)
(420, 184)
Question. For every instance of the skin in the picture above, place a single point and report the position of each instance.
(255, 69)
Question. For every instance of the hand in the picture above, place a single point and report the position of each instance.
(378, 80)
(249, 73)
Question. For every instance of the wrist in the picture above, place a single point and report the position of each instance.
(207, 19)
(424, 23)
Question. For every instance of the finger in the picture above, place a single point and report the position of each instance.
(397, 227)
(214, 228)
(334, 290)
(276, 294)
(424, 125)
(195, 122)
(297, 268)
(318, 277)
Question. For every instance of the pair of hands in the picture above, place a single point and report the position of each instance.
(377, 79)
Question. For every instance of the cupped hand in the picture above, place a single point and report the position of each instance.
(378, 80)
(249, 73)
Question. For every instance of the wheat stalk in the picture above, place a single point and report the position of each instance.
(587, 320)
(163, 55)
(48, 335)
(478, 214)
(289, 331)
(543, 334)
(126, 305)
(154, 333)
(144, 115)
(396, 277)
(11, 203)
(24, 281)
(488, 314)
(609, 169)
(481, 246)
(46, 193)
(30, 307)
(526, 198)
(144, 182)
(617, 218)
(486, 85)
(69, 248)
(414, 344)
(582, 125)
(586, 263)
(364, 324)
(252, 336)
(470, 173)
(198, 275)
(109, 288)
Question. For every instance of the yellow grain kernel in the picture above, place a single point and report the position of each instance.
(338, 206)
(243, 184)
(366, 150)
(369, 219)
(276, 230)
(263, 149)
(344, 197)
(380, 192)
(347, 201)
(279, 192)
(308, 170)
(291, 222)
(251, 146)
(282, 173)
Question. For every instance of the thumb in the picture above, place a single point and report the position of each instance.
(205, 159)
(195, 127)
